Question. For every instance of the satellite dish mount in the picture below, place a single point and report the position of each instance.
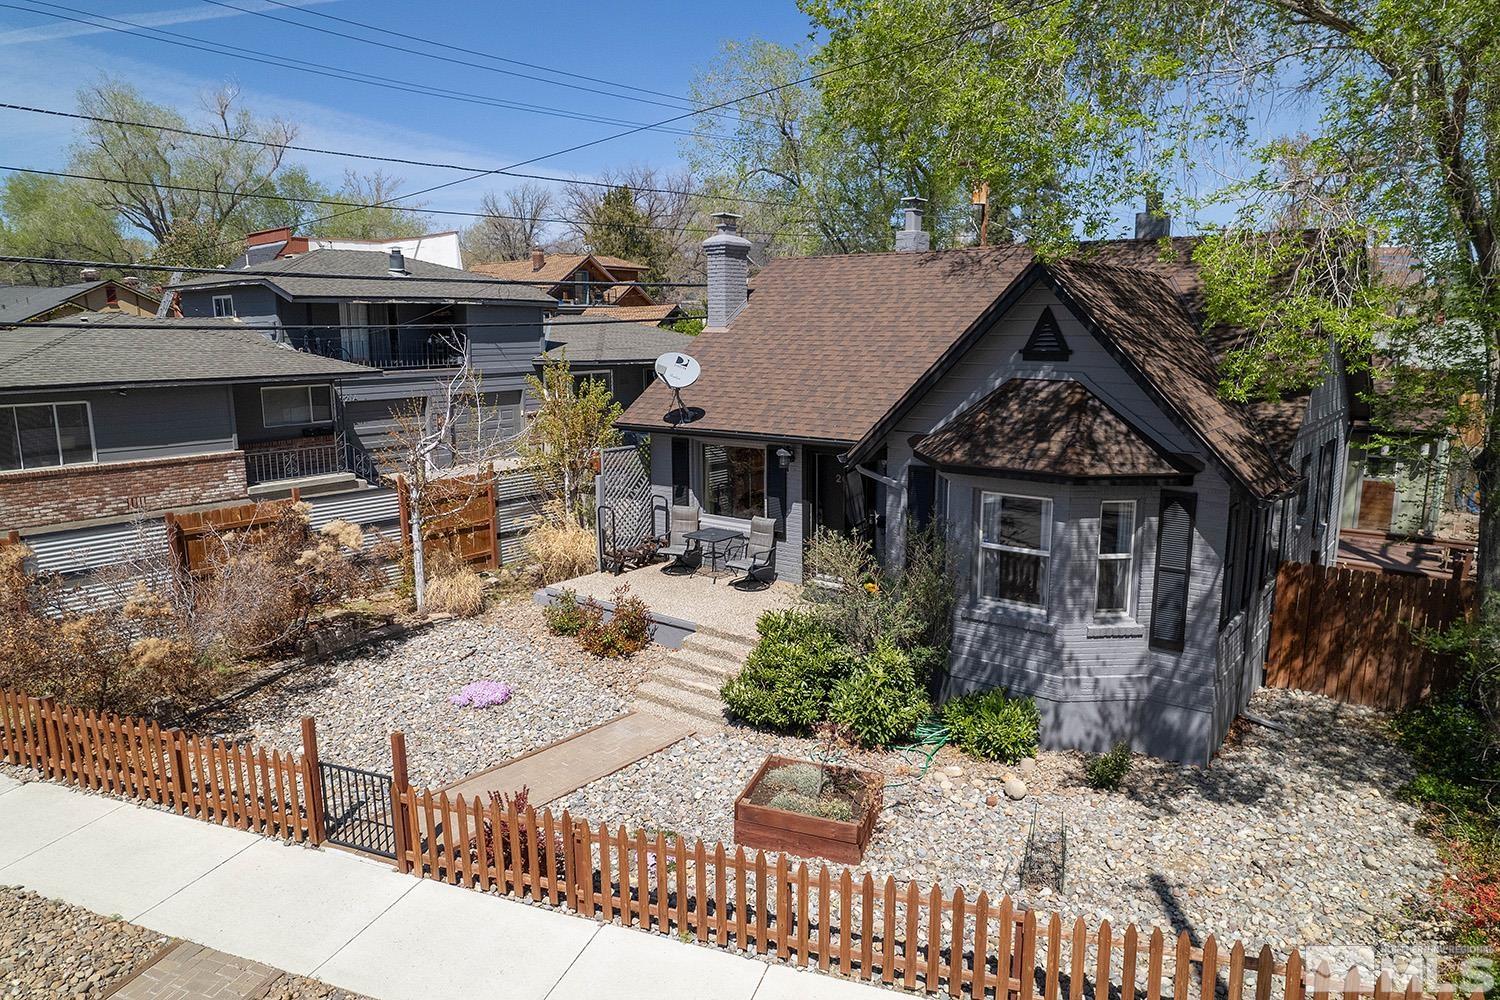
(678, 371)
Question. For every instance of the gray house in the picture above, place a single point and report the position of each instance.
(1118, 524)
(412, 319)
(127, 420)
(620, 354)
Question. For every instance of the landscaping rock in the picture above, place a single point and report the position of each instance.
(50, 949)
(1015, 788)
(1026, 766)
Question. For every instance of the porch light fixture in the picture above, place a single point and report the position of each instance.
(783, 458)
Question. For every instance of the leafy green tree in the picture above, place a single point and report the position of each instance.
(379, 221)
(574, 419)
(55, 217)
(616, 226)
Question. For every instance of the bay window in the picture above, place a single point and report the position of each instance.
(1015, 544)
(734, 481)
(1116, 558)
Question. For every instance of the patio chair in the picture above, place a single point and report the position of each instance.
(685, 553)
(755, 557)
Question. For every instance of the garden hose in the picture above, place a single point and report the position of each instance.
(928, 738)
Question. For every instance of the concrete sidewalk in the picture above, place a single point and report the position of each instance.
(352, 922)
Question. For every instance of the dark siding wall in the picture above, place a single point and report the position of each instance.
(505, 350)
(152, 423)
(250, 302)
(250, 420)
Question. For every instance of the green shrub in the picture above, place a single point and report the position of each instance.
(1106, 771)
(564, 616)
(879, 701)
(786, 681)
(627, 632)
(991, 725)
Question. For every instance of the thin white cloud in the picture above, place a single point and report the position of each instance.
(148, 19)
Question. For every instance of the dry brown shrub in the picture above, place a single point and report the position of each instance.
(561, 548)
(460, 593)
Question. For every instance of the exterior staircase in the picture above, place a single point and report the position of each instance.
(686, 688)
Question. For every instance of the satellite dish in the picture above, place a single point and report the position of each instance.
(678, 371)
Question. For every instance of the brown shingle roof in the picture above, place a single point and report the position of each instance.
(827, 345)
(636, 314)
(1052, 428)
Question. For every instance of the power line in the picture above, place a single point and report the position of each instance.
(227, 272)
(351, 204)
(678, 104)
(272, 328)
(332, 72)
(437, 165)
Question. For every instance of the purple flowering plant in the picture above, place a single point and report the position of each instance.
(483, 694)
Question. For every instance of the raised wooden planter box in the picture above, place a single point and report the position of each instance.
(768, 829)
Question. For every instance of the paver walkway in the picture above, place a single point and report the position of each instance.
(352, 922)
(553, 771)
(188, 971)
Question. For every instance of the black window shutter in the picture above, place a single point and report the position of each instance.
(921, 487)
(681, 463)
(1174, 554)
(776, 490)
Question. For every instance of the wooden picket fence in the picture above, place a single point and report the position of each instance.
(1351, 634)
(833, 920)
(270, 792)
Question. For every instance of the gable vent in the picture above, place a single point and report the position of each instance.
(1046, 342)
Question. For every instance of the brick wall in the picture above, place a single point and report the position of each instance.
(82, 492)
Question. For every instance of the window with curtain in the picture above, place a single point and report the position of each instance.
(44, 435)
(291, 405)
(1116, 558)
(734, 481)
(1015, 543)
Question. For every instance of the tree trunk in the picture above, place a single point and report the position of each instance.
(418, 555)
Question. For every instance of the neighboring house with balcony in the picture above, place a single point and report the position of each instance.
(118, 422)
(413, 319)
(581, 280)
(1116, 523)
(39, 303)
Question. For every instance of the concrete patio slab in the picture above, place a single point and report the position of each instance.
(38, 813)
(459, 945)
(783, 983)
(8, 784)
(281, 904)
(552, 771)
(625, 964)
(147, 854)
(714, 607)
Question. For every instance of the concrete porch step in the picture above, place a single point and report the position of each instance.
(709, 668)
(685, 678)
(731, 650)
(706, 711)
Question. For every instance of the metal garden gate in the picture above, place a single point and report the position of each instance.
(626, 509)
(357, 809)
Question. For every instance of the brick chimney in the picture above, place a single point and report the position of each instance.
(1154, 223)
(538, 258)
(911, 237)
(728, 255)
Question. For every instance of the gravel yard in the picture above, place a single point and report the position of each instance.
(360, 698)
(1289, 838)
(50, 949)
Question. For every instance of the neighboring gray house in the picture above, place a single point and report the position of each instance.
(413, 319)
(623, 355)
(1117, 522)
(124, 422)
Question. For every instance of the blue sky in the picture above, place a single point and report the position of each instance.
(659, 46)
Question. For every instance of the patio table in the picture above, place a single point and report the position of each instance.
(714, 538)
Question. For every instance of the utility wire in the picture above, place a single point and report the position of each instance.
(352, 204)
(403, 161)
(235, 272)
(678, 104)
(217, 323)
(318, 69)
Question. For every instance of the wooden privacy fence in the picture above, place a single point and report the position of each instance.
(195, 538)
(459, 518)
(238, 785)
(1350, 634)
(832, 920)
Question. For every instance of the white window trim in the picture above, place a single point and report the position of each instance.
(1128, 557)
(228, 299)
(1045, 553)
(88, 412)
(308, 387)
(702, 477)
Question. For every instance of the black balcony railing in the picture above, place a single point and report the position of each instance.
(438, 351)
(299, 460)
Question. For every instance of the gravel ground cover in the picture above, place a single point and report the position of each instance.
(1290, 838)
(50, 949)
(359, 699)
